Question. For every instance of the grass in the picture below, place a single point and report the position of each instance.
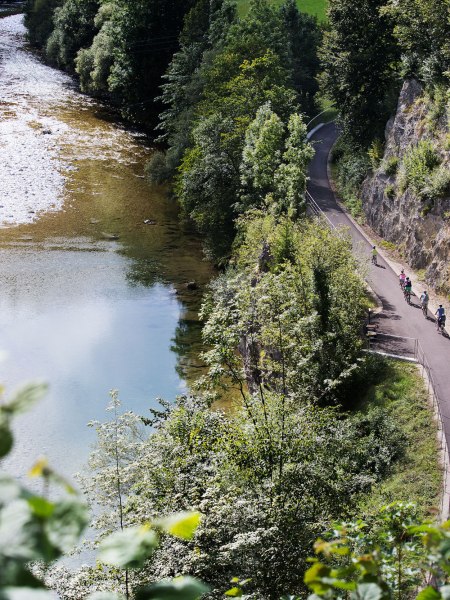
(317, 8)
(417, 476)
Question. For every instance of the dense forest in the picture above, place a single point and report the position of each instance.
(298, 446)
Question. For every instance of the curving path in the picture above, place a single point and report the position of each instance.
(397, 318)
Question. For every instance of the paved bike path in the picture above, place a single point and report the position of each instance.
(397, 317)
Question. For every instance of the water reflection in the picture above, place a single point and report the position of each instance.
(93, 263)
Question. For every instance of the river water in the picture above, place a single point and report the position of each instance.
(91, 297)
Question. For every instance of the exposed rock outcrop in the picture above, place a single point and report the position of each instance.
(420, 228)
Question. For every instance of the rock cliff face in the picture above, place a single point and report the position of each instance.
(418, 225)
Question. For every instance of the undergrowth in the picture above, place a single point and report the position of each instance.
(417, 476)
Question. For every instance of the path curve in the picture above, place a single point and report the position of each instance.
(397, 317)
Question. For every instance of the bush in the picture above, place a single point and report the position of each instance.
(391, 165)
(389, 191)
(440, 182)
(351, 168)
(375, 153)
(156, 169)
(419, 163)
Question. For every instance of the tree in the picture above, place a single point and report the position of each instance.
(304, 38)
(422, 28)
(360, 57)
(208, 182)
(39, 20)
(74, 28)
(205, 28)
(35, 528)
(274, 164)
(295, 322)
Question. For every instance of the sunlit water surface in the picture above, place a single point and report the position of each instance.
(91, 297)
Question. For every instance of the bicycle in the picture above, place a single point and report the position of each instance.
(440, 325)
(424, 308)
(407, 295)
(374, 259)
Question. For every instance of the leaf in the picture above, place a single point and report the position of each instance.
(234, 592)
(40, 468)
(368, 591)
(6, 439)
(182, 525)
(66, 524)
(129, 548)
(9, 489)
(445, 592)
(180, 588)
(25, 397)
(429, 593)
(41, 507)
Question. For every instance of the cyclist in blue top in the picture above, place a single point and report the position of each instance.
(440, 314)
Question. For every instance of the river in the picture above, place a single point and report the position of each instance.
(93, 263)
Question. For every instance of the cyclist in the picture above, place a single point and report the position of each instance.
(440, 317)
(424, 299)
(402, 278)
(374, 255)
(407, 290)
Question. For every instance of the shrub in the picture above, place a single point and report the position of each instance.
(418, 165)
(389, 191)
(440, 182)
(391, 165)
(156, 169)
(375, 153)
(351, 168)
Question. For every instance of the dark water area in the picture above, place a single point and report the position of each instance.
(93, 264)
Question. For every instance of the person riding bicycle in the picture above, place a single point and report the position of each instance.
(374, 255)
(424, 299)
(407, 290)
(402, 278)
(441, 317)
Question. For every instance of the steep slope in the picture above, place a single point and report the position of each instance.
(407, 199)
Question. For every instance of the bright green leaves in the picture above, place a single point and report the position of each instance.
(182, 525)
(130, 548)
(237, 590)
(274, 163)
(385, 559)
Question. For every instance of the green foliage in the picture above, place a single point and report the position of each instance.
(389, 190)
(423, 30)
(375, 153)
(301, 307)
(392, 556)
(359, 56)
(34, 528)
(274, 164)
(315, 8)
(209, 179)
(417, 476)
(304, 38)
(351, 166)
(390, 165)
(74, 28)
(418, 166)
(39, 20)
(440, 182)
